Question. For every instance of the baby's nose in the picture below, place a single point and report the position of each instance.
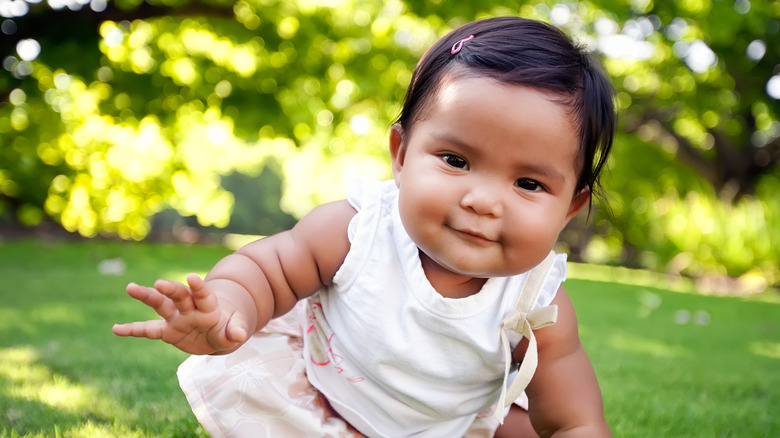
(484, 199)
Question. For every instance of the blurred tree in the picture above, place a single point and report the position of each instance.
(112, 112)
(696, 157)
(708, 86)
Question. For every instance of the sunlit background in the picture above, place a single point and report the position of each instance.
(128, 118)
(157, 120)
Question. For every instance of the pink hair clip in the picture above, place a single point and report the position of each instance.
(459, 45)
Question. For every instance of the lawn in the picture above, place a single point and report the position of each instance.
(671, 364)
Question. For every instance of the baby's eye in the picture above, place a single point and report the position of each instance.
(455, 161)
(529, 184)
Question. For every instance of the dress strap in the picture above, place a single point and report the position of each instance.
(524, 320)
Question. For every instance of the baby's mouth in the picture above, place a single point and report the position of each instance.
(474, 236)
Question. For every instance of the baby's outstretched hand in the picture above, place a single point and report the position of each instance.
(192, 319)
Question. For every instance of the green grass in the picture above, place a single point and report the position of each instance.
(716, 375)
(63, 373)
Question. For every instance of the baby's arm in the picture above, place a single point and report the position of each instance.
(564, 395)
(260, 281)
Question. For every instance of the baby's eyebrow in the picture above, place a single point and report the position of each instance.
(547, 171)
(448, 138)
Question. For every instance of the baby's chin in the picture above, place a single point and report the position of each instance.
(476, 268)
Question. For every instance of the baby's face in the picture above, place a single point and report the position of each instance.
(487, 178)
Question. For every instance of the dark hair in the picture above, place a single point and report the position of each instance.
(531, 53)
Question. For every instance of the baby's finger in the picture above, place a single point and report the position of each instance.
(178, 293)
(204, 298)
(152, 298)
(140, 329)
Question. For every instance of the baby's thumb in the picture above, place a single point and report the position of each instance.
(237, 330)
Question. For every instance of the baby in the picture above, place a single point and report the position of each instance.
(384, 314)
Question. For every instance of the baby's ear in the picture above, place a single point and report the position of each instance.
(397, 150)
(578, 202)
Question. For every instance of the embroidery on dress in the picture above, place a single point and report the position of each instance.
(320, 337)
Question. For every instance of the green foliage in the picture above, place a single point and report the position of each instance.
(149, 106)
(671, 219)
(696, 165)
(669, 364)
